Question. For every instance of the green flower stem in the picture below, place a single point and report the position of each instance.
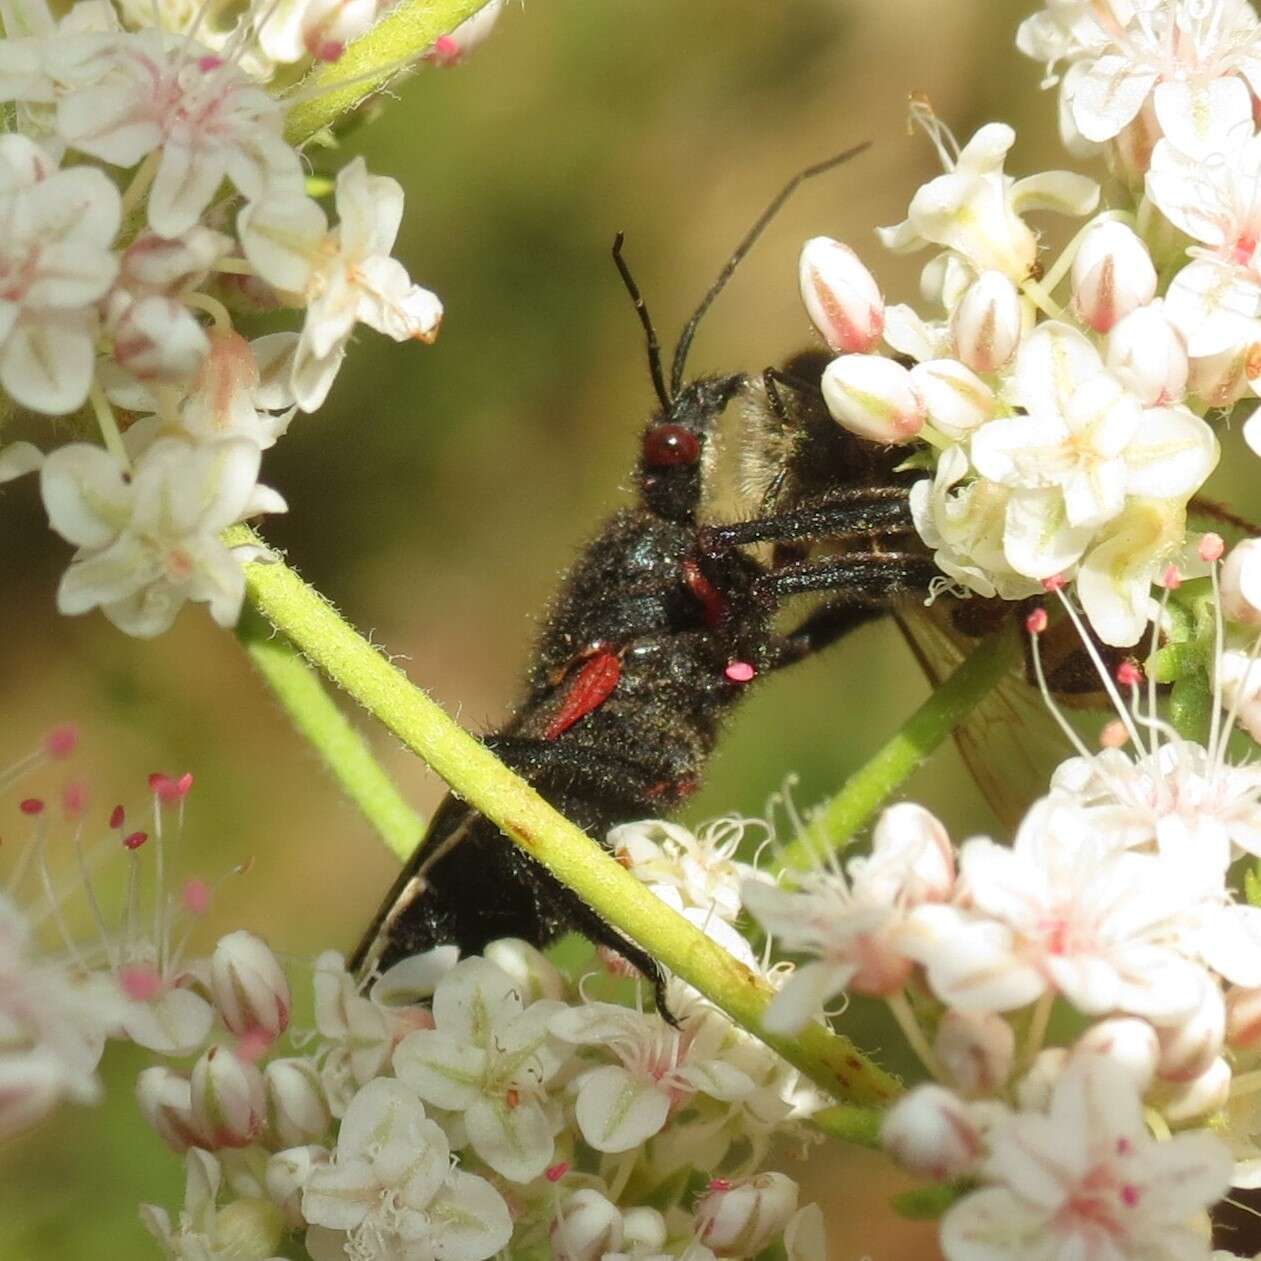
(851, 1124)
(344, 750)
(347, 659)
(369, 63)
(836, 823)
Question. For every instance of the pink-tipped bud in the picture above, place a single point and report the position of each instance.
(1188, 1048)
(1207, 1093)
(1243, 1016)
(742, 1219)
(841, 296)
(956, 399)
(287, 1174)
(248, 985)
(1148, 356)
(1241, 583)
(873, 397)
(1113, 274)
(986, 322)
(1127, 1042)
(156, 264)
(229, 1102)
(296, 1103)
(976, 1051)
(165, 1099)
(157, 339)
(931, 1132)
(586, 1227)
(1036, 622)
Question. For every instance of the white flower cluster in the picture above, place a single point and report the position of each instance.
(1067, 432)
(149, 190)
(1112, 901)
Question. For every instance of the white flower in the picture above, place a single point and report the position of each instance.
(356, 1027)
(1241, 583)
(1148, 355)
(56, 263)
(293, 29)
(987, 322)
(1087, 1180)
(621, 1106)
(840, 296)
(343, 275)
(854, 923)
(873, 397)
(391, 1192)
(1060, 910)
(933, 1133)
(975, 209)
(1112, 275)
(490, 1058)
(207, 121)
(1238, 676)
(149, 540)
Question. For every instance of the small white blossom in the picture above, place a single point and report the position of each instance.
(840, 296)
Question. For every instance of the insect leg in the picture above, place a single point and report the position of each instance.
(862, 578)
(845, 513)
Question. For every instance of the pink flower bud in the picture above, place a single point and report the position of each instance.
(1112, 275)
(956, 399)
(1129, 1043)
(1206, 1093)
(841, 296)
(986, 323)
(166, 1102)
(249, 986)
(160, 265)
(1243, 1016)
(287, 1173)
(931, 1132)
(1148, 356)
(1187, 1049)
(873, 397)
(229, 1103)
(296, 1104)
(157, 339)
(586, 1227)
(741, 1219)
(1241, 583)
(976, 1051)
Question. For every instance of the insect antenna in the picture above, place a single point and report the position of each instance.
(746, 244)
(641, 309)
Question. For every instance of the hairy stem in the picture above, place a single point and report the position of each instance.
(367, 65)
(836, 823)
(851, 1124)
(351, 662)
(316, 716)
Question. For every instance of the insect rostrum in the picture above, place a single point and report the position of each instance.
(654, 635)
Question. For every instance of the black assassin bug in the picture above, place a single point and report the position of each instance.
(652, 638)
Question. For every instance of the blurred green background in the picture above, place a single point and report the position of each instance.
(441, 490)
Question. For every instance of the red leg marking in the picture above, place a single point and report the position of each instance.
(713, 606)
(592, 686)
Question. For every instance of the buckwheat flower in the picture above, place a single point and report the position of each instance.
(933, 1133)
(1195, 61)
(249, 986)
(873, 397)
(148, 540)
(1238, 676)
(450, 50)
(853, 923)
(342, 276)
(976, 1051)
(1060, 911)
(741, 1218)
(292, 29)
(1241, 583)
(957, 401)
(228, 1099)
(1148, 355)
(1216, 202)
(1066, 29)
(1087, 1180)
(986, 323)
(56, 263)
(975, 209)
(621, 1106)
(490, 1058)
(248, 1229)
(206, 121)
(390, 1190)
(358, 1030)
(587, 1227)
(840, 296)
(1127, 1042)
(1112, 275)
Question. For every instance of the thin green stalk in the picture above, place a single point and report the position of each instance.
(351, 662)
(871, 786)
(345, 752)
(368, 64)
(851, 1124)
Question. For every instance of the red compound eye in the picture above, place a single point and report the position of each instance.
(668, 445)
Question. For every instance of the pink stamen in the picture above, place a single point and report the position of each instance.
(1172, 579)
(557, 1171)
(32, 805)
(167, 789)
(74, 799)
(720, 1184)
(1211, 548)
(1057, 582)
(61, 741)
(196, 896)
(1128, 674)
(209, 63)
(135, 840)
(117, 816)
(740, 672)
(1124, 1147)
(1114, 735)
(1035, 623)
(1130, 1195)
(140, 981)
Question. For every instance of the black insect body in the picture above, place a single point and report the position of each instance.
(653, 637)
